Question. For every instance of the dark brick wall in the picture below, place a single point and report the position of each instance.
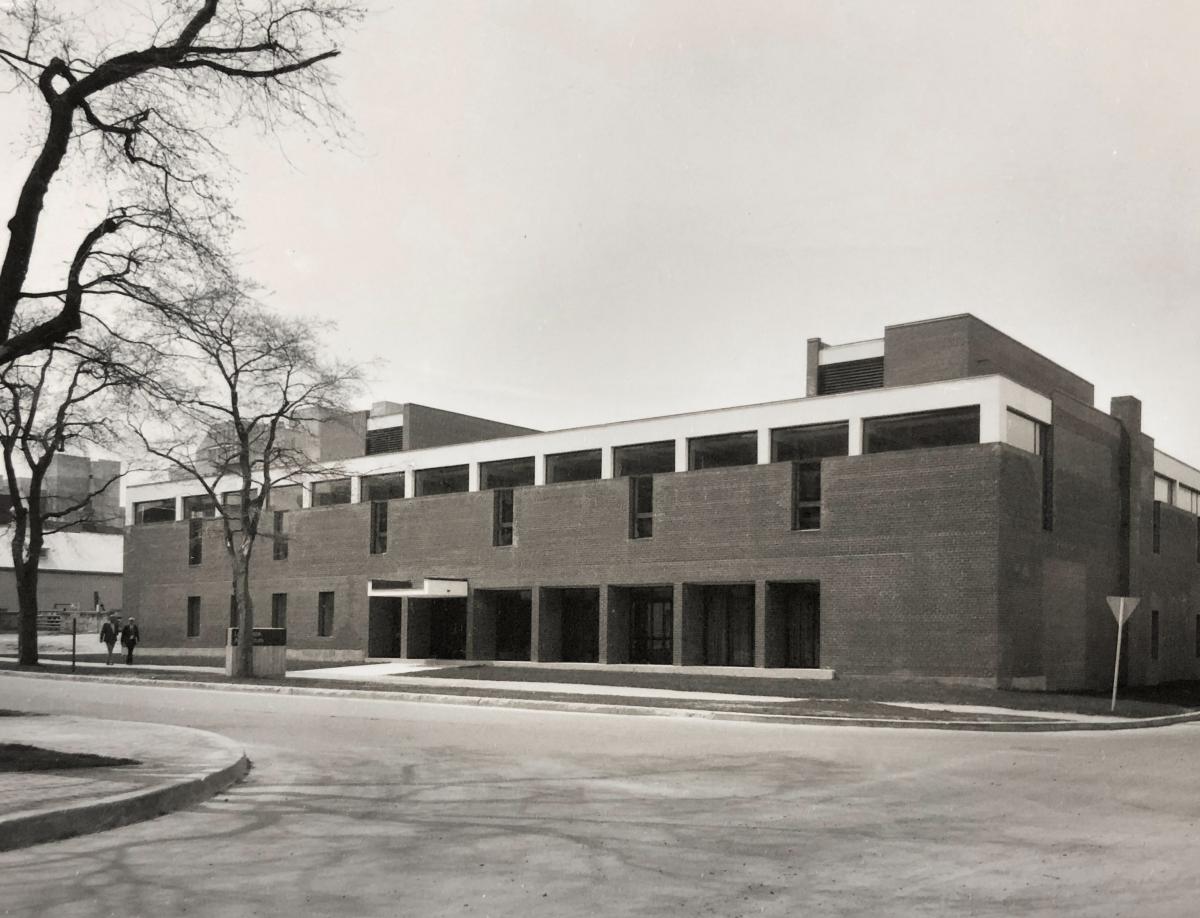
(1053, 584)
(930, 563)
(425, 427)
(343, 437)
(962, 346)
(1172, 586)
(926, 352)
(906, 558)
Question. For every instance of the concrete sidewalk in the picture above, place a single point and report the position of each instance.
(602, 699)
(178, 767)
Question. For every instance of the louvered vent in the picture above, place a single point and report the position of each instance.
(385, 440)
(850, 376)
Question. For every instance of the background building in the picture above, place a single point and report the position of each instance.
(81, 565)
(943, 502)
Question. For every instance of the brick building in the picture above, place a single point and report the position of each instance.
(944, 501)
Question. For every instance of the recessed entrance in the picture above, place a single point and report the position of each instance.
(502, 624)
(651, 625)
(581, 626)
(569, 625)
(437, 629)
(794, 625)
(727, 612)
(383, 627)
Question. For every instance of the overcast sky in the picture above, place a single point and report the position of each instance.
(562, 213)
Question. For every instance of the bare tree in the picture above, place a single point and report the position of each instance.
(65, 397)
(147, 107)
(236, 415)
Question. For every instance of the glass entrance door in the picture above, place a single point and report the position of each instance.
(651, 625)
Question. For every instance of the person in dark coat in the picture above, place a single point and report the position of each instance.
(130, 636)
(108, 637)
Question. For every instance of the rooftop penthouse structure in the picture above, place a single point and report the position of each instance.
(942, 502)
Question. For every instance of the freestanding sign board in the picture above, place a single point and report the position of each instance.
(270, 651)
(1122, 607)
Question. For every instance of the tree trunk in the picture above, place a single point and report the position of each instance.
(25, 572)
(243, 658)
(27, 603)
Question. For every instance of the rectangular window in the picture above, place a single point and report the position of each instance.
(806, 494)
(233, 622)
(279, 610)
(812, 441)
(154, 511)
(286, 497)
(331, 493)
(641, 506)
(644, 459)
(1154, 634)
(805, 447)
(324, 614)
(507, 473)
(1164, 489)
(921, 430)
(1023, 433)
(232, 500)
(199, 506)
(1188, 498)
(379, 526)
(1047, 449)
(502, 517)
(383, 487)
(1157, 526)
(279, 535)
(193, 616)
(722, 451)
(580, 466)
(385, 440)
(1198, 540)
(453, 479)
(195, 541)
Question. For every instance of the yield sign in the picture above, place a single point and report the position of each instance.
(1122, 607)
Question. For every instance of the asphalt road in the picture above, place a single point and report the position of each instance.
(362, 808)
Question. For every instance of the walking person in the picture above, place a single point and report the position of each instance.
(108, 637)
(129, 639)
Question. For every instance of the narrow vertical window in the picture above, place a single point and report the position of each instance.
(195, 541)
(502, 518)
(806, 494)
(279, 610)
(1198, 540)
(279, 545)
(1157, 526)
(1047, 443)
(193, 616)
(379, 526)
(1154, 634)
(641, 506)
(324, 614)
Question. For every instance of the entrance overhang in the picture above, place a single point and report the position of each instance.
(429, 588)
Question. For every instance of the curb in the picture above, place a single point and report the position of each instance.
(1040, 725)
(20, 830)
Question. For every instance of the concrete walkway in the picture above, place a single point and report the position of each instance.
(178, 766)
(395, 672)
(84, 665)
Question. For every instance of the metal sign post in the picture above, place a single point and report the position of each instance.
(1122, 607)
